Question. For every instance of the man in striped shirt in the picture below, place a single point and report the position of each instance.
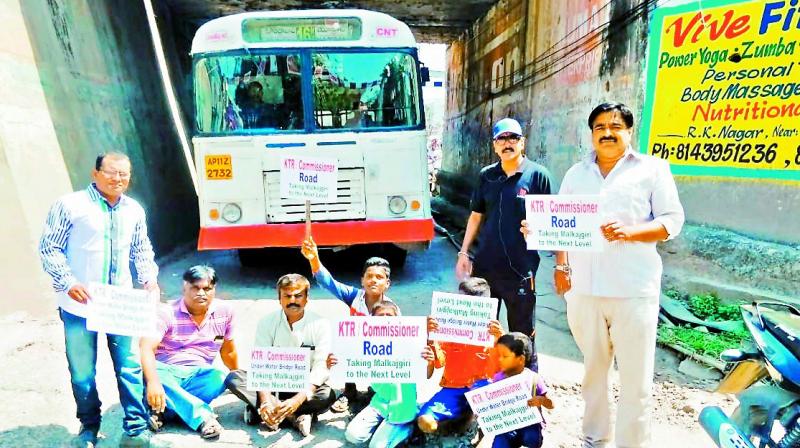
(180, 379)
(92, 235)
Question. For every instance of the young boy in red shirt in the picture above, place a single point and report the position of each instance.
(464, 365)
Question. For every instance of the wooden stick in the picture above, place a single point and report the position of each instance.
(308, 218)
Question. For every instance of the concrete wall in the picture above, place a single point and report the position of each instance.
(32, 169)
(97, 66)
(78, 77)
(575, 55)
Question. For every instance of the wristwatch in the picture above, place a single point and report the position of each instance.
(564, 268)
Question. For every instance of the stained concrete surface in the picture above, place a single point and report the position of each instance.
(438, 21)
(38, 409)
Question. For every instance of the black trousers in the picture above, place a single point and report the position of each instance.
(323, 397)
(519, 298)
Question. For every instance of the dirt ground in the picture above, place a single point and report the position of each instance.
(38, 408)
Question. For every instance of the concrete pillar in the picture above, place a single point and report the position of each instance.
(32, 170)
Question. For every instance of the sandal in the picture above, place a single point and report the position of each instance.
(156, 421)
(210, 429)
(342, 404)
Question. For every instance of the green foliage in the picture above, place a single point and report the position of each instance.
(332, 97)
(708, 307)
(675, 294)
(709, 344)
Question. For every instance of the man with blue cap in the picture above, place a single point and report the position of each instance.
(498, 206)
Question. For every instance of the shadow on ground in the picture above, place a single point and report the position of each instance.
(44, 435)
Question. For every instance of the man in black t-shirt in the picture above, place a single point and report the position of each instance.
(498, 206)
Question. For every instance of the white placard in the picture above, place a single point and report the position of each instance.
(121, 311)
(463, 318)
(564, 222)
(503, 406)
(380, 349)
(308, 178)
(279, 369)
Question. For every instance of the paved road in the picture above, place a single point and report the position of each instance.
(38, 409)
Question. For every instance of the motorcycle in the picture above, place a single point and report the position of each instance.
(766, 382)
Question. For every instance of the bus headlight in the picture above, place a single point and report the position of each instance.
(231, 213)
(397, 204)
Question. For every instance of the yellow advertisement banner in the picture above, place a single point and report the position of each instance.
(723, 89)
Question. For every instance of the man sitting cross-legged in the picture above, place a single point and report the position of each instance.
(290, 326)
(177, 364)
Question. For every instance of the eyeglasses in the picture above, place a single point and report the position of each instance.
(508, 138)
(124, 175)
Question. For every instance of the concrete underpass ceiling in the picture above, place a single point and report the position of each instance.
(433, 21)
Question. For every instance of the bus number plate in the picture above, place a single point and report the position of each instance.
(219, 167)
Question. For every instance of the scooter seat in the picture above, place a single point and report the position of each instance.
(785, 327)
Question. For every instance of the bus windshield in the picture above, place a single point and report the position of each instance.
(360, 90)
(261, 93)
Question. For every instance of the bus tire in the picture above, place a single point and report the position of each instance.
(396, 256)
(252, 257)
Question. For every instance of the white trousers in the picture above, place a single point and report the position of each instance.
(625, 328)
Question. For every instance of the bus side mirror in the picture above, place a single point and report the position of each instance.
(426, 74)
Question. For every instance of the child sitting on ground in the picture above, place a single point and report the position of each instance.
(463, 364)
(388, 420)
(374, 283)
(514, 352)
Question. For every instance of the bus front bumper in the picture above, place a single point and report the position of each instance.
(339, 233)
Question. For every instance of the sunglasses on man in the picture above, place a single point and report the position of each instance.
(508, 138)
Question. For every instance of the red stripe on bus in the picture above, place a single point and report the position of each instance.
(325, 234)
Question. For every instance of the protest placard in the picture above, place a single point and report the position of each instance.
(564, 222)
(308, 178)
(279, 369)
(120, 310)
(380, 349)
(503, 406)
(463, 318)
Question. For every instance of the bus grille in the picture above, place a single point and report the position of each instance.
(350, 203)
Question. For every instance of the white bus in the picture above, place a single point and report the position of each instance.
(344, 84)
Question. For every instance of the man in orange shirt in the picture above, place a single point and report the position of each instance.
(464, 365)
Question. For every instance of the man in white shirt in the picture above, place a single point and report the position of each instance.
(613, 296)
(291, 326)
(91, 236)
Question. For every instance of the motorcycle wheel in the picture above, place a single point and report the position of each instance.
(757, 425)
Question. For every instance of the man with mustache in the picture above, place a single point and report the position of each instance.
(291, 326)
(612, 296)
(177, 365)
(92, 235)
(498, 205)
